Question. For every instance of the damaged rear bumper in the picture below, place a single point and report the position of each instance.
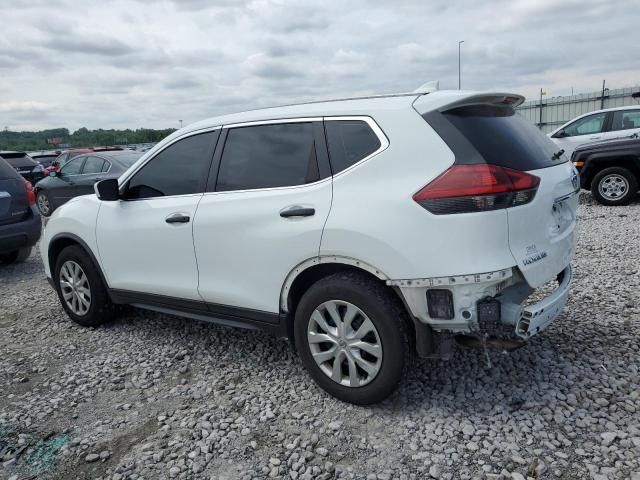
(490, 304)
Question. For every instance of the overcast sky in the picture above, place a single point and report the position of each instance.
(137, 63)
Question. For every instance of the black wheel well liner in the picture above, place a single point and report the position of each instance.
(596, 165)
(314, 273)
(63, 240)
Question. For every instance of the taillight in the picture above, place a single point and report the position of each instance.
(29, 189)
(477, 188)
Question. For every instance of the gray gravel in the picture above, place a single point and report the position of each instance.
(152, 396)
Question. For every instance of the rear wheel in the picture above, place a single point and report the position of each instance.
(44, 206)
(352, 337)
(80, 289)
(16, 257)
(614, 186)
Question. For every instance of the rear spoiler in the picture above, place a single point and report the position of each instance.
(442, 101)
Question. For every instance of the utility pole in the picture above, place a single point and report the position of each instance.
(542, 92)
(602, 97)
(459, 74)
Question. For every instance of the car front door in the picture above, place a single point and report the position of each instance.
(584, 130)
(145, 239)
(65, 186)
(263, 214)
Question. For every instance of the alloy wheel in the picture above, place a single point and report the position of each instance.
(344, 343)
(75, 288)
(43, 204)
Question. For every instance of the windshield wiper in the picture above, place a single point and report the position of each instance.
(557, 155)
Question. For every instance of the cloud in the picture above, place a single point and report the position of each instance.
(132, 63)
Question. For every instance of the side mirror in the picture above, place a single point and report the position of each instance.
(107, 190)
(53, 174)
(560, 134)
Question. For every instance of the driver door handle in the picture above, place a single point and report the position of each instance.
(177, 218)
(297, 211)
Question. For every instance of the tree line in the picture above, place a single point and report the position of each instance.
(25, 141)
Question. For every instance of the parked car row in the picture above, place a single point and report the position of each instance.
(78, 176)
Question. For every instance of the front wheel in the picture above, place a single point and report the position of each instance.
(80, 289)
(352, 336)
(614, 186)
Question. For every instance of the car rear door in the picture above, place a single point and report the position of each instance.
(623, 123)
(14, 204)
(92, 172)
(266, 203)
(145, 239)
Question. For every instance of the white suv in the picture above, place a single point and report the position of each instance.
(598, 126)
(363, 230)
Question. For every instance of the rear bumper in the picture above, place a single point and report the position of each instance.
(21, 234)
(537, 317)
(512, 316)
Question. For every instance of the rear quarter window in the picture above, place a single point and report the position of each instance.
(498, 134)
(349, 141)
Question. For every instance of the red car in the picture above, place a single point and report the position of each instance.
(67, 155)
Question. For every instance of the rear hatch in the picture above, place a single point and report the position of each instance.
(14, 205)
(541, 229)
(20, 161)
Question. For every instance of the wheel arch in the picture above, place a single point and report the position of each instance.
(305, 274)
(63, 240)
(599, 163)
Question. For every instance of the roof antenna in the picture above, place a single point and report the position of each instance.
(429, 87)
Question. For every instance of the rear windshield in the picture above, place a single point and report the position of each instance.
(6, 170)
(504, 137)
(19, 161)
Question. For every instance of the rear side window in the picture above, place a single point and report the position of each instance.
(626, 120)
(267, 156)
(93, 165)
(180, 169)
(349, 141)
(500, 136)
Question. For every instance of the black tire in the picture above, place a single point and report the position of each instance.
(43, 195)
(101, 310)
(389, 318)
(18, 256)
(606, 175)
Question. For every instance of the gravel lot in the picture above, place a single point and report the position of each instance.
(153, 396)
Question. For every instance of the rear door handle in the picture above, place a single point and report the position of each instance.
(297, 211)
(177, 218)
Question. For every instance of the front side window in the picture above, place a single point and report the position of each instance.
(587, 125)
(180, 169)
(267, 156)
(626, 120)
(72, 167)
(349, 141)
(93, 165)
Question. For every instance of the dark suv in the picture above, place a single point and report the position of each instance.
(24, 165)
(20, 223)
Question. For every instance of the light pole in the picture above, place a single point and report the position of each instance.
(180, 123)
(459, 81)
